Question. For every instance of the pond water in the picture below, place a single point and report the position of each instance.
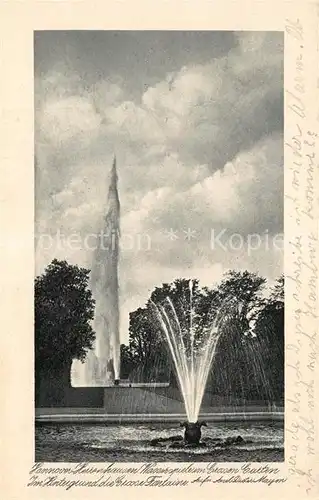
(263, 442)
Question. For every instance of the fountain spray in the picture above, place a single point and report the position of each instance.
(105, 284)
(192, 365)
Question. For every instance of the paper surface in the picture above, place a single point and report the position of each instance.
(298, 475)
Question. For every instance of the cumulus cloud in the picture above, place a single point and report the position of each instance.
(227, 198)
(200, 149)
(68, 118)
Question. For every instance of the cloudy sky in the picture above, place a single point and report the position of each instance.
(196, 123)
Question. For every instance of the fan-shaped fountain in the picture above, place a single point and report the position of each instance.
(192, 350)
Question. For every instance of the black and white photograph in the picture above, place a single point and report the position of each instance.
(159, 246)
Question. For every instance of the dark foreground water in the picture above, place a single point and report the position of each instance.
(264, 442)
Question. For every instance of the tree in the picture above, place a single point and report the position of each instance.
(246, 288)
(127, 362)
(64, 308)
(270, 330)
(146, 339)
(241, 367)
(147, 352)
(236, 369)
(185, 298)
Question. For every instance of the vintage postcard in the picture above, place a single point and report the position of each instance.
(161, 247)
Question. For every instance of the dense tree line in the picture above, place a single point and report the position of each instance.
(249, 361)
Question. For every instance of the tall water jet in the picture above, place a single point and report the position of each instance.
(103, 364)
(192, 350)
(106, 287)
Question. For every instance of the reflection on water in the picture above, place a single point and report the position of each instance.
(264, 442)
